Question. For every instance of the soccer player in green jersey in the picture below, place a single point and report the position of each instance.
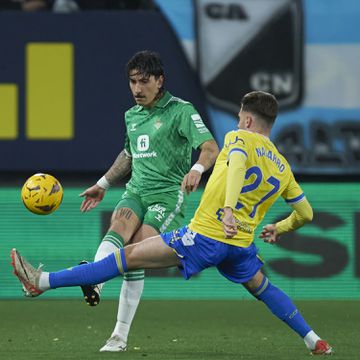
(248, 177)
(161, 131)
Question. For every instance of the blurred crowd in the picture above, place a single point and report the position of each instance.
(75, 5)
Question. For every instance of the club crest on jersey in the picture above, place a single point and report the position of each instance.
(133, 127)
(158, 124)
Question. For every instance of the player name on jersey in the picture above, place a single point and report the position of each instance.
(261, 151)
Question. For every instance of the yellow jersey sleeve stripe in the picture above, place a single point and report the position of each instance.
(296, 199)
(239, 150)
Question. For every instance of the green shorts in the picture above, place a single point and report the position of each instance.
(163, 211)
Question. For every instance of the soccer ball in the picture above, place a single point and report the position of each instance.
(42, 194)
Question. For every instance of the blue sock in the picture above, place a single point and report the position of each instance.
(92, 273)
(281, 306)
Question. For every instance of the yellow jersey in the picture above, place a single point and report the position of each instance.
(268, 175)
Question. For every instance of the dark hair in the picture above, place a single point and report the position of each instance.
(261, 104)
(147, 63)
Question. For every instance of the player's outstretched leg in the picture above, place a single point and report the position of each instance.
(36, 281)
(152, 253)
(282, 307)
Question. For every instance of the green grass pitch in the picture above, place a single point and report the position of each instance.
(165, 330)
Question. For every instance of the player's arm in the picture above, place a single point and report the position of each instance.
(118, 170)
(194, 130)
(208, 154)
(234, 183)
(302, 214)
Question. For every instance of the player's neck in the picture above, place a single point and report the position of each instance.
(159, 95)
(259, 130)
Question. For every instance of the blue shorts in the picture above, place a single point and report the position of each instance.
(197, 252)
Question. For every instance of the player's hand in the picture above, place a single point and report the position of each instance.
(269, 234)
(229, 223)
(191, 181)
(93, 195)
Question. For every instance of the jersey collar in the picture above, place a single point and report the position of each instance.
(162, 102)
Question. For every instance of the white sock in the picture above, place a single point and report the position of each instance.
(105, 248)
(310, 340)
(44, 283)
(130, 295)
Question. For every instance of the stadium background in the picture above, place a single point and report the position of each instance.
(62, 96)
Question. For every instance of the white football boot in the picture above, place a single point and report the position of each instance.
(114, 344)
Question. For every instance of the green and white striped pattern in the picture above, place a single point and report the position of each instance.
(174, 213)
(134, 275)
(114, 238)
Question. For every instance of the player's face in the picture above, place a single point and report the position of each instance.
(145, 89)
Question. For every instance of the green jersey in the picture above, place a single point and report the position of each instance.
(160, 140)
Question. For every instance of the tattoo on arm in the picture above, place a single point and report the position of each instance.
(126, 213)
(119, 169)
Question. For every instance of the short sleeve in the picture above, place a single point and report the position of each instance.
(192, 127)
(127, 145)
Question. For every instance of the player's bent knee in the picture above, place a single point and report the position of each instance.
(254, 282)
(132, 259)
(263, 286)
(126, 229)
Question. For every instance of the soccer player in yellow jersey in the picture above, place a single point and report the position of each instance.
(249, 175)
